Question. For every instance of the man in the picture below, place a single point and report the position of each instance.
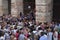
(22, 36)
(43, 36)
(2, 35)
(49, 34)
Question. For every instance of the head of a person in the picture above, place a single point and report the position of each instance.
(42, 33)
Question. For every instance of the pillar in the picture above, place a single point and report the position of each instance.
(3, 7)
(16, 7)
(1, 12)
(43, 10)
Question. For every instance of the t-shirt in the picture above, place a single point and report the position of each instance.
(2, 38)
(21, 37)
(55, 36)
(7, 36)
(50, 35)
(44, 37)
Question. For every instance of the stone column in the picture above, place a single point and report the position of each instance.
(3, 7)
(1, 12)
(43, 10)
(16, 7)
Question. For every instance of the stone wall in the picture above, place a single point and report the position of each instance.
(16, 7)
(1, 12)
(43, 10)
(3, 7)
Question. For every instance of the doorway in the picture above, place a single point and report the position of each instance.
(9, 6)
(28, 5)
(56, 10)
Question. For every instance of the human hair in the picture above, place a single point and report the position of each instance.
(42, 33)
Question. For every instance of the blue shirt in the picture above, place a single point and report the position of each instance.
(50, 35)
(21, 37)
(44, 37)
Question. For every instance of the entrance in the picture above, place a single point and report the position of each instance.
(28, 5)
(56, 10)
(9, 6)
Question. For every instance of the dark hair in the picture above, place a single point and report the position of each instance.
(39, 28)
(40, 23)
(17, 31)
(1, 33)
(20, 13)
(46, 23)
(42, 33)
(21, 28)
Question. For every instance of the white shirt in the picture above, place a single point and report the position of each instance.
(37, 27)
(50, 35)
(2, 38)
(15, 31)
(55, 36)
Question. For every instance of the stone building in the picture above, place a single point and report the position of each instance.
(43, 8)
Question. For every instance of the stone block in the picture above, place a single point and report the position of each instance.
(43, 10)
(16, 7)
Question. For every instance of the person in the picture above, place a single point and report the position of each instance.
(55, 35)
(17, 34)
(43, 36)
(49, 34)
(2, 35)
(15, 30)
(22, 36)
(13, 37)
(2, 38)
(7, 36)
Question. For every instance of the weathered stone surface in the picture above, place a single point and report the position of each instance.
(1, 12)
(16, 7)
(43, 10)
(3, 7)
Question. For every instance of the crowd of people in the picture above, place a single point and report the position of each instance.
(24, 27)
